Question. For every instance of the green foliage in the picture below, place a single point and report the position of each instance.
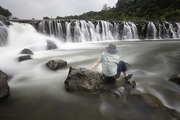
(45, 18)
(105, 7)
(5, 12)
(163, 10)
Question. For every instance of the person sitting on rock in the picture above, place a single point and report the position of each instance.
(111, 64)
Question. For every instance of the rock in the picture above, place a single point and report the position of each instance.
(25, 57)
(3, 17)
(119, 92)
(26, 51)
(4, 87)
(82, 79)
(56, 64)
(175, 79)
(51, 45)
(119, 88)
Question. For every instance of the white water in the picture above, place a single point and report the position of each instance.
(3, 34)
(88, 31)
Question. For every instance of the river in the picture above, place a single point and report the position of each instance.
(38, 93)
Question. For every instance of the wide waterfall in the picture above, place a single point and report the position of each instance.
(72, 31)
(87, 31)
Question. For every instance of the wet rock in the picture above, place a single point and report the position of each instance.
(56, 64)
(4, 87)
(26, 51)
(119, 92)
(118, 88)
(82, 79)
(51, 45)
(137, 106)
(175, 79)
(142, 29)
(23, 58)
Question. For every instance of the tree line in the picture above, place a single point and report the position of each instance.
(162, 10)
(5, 12)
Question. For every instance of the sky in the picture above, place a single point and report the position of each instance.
(28, 9)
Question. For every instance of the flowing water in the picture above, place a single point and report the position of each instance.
(38, 93)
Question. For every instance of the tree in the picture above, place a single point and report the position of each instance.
(5, 12)
(105, 7)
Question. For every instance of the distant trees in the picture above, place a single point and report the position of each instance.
(5, 12)
(45, 18)
(168, 10)
(105, 7)
(149, 9)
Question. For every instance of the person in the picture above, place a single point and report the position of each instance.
(112, 66)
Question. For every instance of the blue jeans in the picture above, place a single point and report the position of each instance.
(121, 68)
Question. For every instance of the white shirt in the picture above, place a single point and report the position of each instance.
(109, 63)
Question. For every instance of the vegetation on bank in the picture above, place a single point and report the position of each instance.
(163, 10)
(134, 10)
(5, 12)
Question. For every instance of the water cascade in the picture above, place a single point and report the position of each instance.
(3, 34)
(130, 31)
(87, 31)
(151, 31)
(90, 31)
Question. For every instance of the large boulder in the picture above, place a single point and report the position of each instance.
(175, 79)
(51, 45)
(56, 64)
(4, 87)
(26, 51)
(82, 79)
(24, 57)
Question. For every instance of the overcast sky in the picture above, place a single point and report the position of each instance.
(27, 9)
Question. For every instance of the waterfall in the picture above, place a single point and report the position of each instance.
(151, 31)
(92, 31)
(95, 36)
(88, 31)
(68, 32)
(130, 31)
(42, 27)
(59, 30)
(85, 35)
(178, 30)
(159, 36)
(3, 34)
(116, 31)
(172, 31)
(106, 32)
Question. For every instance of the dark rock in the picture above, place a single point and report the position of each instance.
(26, 51)
(25, 57)
(142, 29)
(3, 17)
(4, 87)
(56, 64)
(82, 79)
(118, 88)
(175, 79)
(51, 45)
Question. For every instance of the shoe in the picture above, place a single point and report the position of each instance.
(130, 80)
(128, 77)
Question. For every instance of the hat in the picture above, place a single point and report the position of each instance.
(111, 48)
